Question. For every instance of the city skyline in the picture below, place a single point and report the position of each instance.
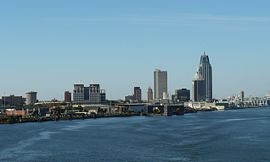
(119, 44)
(113, 80)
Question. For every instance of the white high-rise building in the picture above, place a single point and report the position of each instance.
(88, 95)
(31, 98)
(78, 93)
(94, 94)
(160, 84)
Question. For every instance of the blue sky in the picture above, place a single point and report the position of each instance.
(48, 45)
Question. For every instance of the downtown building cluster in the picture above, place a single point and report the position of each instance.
(160, 92)
(94, 95)
(158, 98)
(90, 101)
(202, 87)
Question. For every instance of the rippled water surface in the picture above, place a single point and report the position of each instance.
(241, 135)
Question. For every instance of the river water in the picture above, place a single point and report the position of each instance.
(239, 135)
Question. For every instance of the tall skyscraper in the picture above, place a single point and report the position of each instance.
(205, 71)
(150, 95)
(160, 84)
(204, 76)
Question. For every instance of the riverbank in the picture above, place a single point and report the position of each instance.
(29, 119)
(19, 119)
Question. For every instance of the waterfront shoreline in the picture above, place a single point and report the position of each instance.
(20, 120)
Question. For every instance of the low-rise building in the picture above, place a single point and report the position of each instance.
(204, 106)
(133, 107)
(150, 97)
(181, 96)
(13, 100)
(14, 112)
(129, 98)
(67, 96)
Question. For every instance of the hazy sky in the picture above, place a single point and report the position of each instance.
(48, 45)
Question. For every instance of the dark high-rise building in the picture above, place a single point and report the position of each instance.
(150, 95)
(86, 93)
(137, 94)
(102, 96)
(67, 96)
(242, 96)
(198, 88)
(202, 83)
(181, 96)
(205, 70)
